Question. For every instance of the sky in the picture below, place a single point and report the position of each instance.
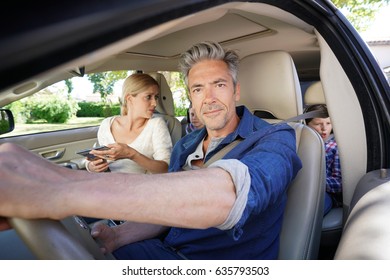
(83, 87)
(380, 28)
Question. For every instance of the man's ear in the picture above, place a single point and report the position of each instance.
(238, 92)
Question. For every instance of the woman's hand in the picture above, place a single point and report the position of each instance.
(121, 151)
(97, 165)
(116, 151)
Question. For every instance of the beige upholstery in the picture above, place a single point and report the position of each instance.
(314, 94)
(302, 222)
(165, 107)
(333, 221)
(269, 83)
(272, 80)
(367, 229)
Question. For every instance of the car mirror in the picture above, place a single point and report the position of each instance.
(7, 123)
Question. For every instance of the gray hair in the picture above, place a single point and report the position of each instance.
(211, 51)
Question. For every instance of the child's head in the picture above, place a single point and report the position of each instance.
(193, 118)
(322, 123)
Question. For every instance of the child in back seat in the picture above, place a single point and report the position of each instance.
(323, 125)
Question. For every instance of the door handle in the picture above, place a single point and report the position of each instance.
(53, 155)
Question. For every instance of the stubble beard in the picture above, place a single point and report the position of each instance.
(215, 122)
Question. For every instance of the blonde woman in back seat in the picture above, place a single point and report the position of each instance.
(138, 143)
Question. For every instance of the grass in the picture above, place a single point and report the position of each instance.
(23, 128)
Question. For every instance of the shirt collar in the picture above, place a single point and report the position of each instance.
(245, 126)
(244, 129)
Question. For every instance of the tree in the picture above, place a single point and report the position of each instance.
(176, 83)
(69, 85)
(360, 12)
(104, 82)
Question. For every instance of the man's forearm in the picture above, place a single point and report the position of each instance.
(198, 199)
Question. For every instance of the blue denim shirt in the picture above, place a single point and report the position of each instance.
(269, 152)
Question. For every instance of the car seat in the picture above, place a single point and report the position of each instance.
(314, 94)
(166, 109)
(333, 221)
(270, 89)
(367, 230)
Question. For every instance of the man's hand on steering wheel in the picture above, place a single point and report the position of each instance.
(106, 236)
(4, 224)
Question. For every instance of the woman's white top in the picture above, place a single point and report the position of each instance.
(154, 142)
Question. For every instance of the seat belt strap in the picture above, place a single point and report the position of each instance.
(308, 115)
(221, 153)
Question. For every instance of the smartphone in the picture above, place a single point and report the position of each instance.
(89, 156)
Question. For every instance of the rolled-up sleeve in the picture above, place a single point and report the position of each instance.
(261, 174)
(242, 182)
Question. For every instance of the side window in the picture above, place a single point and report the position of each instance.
(179, 90)
(81, 102)
(74, 103)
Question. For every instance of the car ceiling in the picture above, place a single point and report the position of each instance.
(245, 27)
(240, 28)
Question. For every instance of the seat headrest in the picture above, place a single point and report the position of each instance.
(314, 94)
(269, 83)
(165, 103)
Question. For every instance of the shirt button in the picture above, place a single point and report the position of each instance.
(197, 156)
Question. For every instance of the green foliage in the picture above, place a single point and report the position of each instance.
(175, 81)
(177, 85)
(69, 85)
(111, 110)
(180, 111)
(51, 108)
(4, 123)
(19, 111)
(104, 82)
(360, 12)
(93, 109)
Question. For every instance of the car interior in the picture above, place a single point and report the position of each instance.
(165, 107)
(286, 64)
(273, 74)
(332, 223)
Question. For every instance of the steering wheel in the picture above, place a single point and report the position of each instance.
(68, 239)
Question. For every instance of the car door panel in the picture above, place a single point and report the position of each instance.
(58, 146)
